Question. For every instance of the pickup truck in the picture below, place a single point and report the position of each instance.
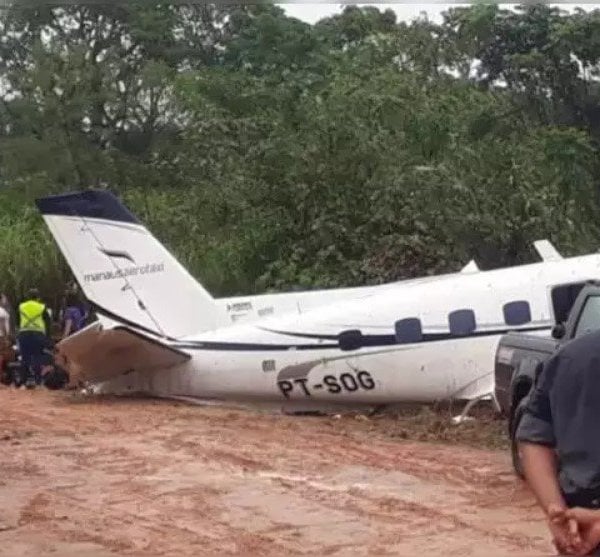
(520, 357)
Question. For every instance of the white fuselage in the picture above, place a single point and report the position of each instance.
(247, 309)
(297, 357)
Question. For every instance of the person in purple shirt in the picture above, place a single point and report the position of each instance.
(74, 316)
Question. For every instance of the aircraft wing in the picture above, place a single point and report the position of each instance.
(98, 354)
(547, 251)
(470, 267)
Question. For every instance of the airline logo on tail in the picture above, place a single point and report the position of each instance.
(134, 270)
(117, 254)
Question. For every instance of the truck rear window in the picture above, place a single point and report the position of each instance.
(589, 320)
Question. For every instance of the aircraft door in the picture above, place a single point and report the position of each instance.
(562, 299)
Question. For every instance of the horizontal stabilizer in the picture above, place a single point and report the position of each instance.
(97, 354)
(547, 251)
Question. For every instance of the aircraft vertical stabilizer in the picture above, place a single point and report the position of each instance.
(124, 271)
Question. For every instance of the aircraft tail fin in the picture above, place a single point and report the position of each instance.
(123, 270)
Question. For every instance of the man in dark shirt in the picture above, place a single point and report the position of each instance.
(559, 437)
(73, 315)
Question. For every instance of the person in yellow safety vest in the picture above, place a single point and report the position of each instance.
(33, 337)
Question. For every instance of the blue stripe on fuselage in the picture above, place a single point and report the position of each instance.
(368, 341)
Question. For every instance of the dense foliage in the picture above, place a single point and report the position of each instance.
(271, 154)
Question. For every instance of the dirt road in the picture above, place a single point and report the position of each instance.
(104, 477)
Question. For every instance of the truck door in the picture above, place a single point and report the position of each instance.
(587, 319)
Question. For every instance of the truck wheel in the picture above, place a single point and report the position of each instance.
(514, 447)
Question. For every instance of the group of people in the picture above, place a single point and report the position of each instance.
(31, 326)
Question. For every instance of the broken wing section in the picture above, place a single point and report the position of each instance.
(96, 354)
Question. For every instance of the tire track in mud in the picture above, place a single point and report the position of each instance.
(420, 517)
(137, 477)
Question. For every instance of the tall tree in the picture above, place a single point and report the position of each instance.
(269, 153)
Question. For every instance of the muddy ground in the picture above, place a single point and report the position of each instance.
(100, 477)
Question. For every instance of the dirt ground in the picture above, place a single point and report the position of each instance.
(104, 477)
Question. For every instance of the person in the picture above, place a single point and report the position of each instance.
(559, 442)
(73, 315)
(6, 304)
(33, 337)
(5, 319)
(6, 353)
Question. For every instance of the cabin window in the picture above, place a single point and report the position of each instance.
(462, 322)
(408, 331)
(350, 340)
(517, 313)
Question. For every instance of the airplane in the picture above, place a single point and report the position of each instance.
(159, 332)
(250, 308)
